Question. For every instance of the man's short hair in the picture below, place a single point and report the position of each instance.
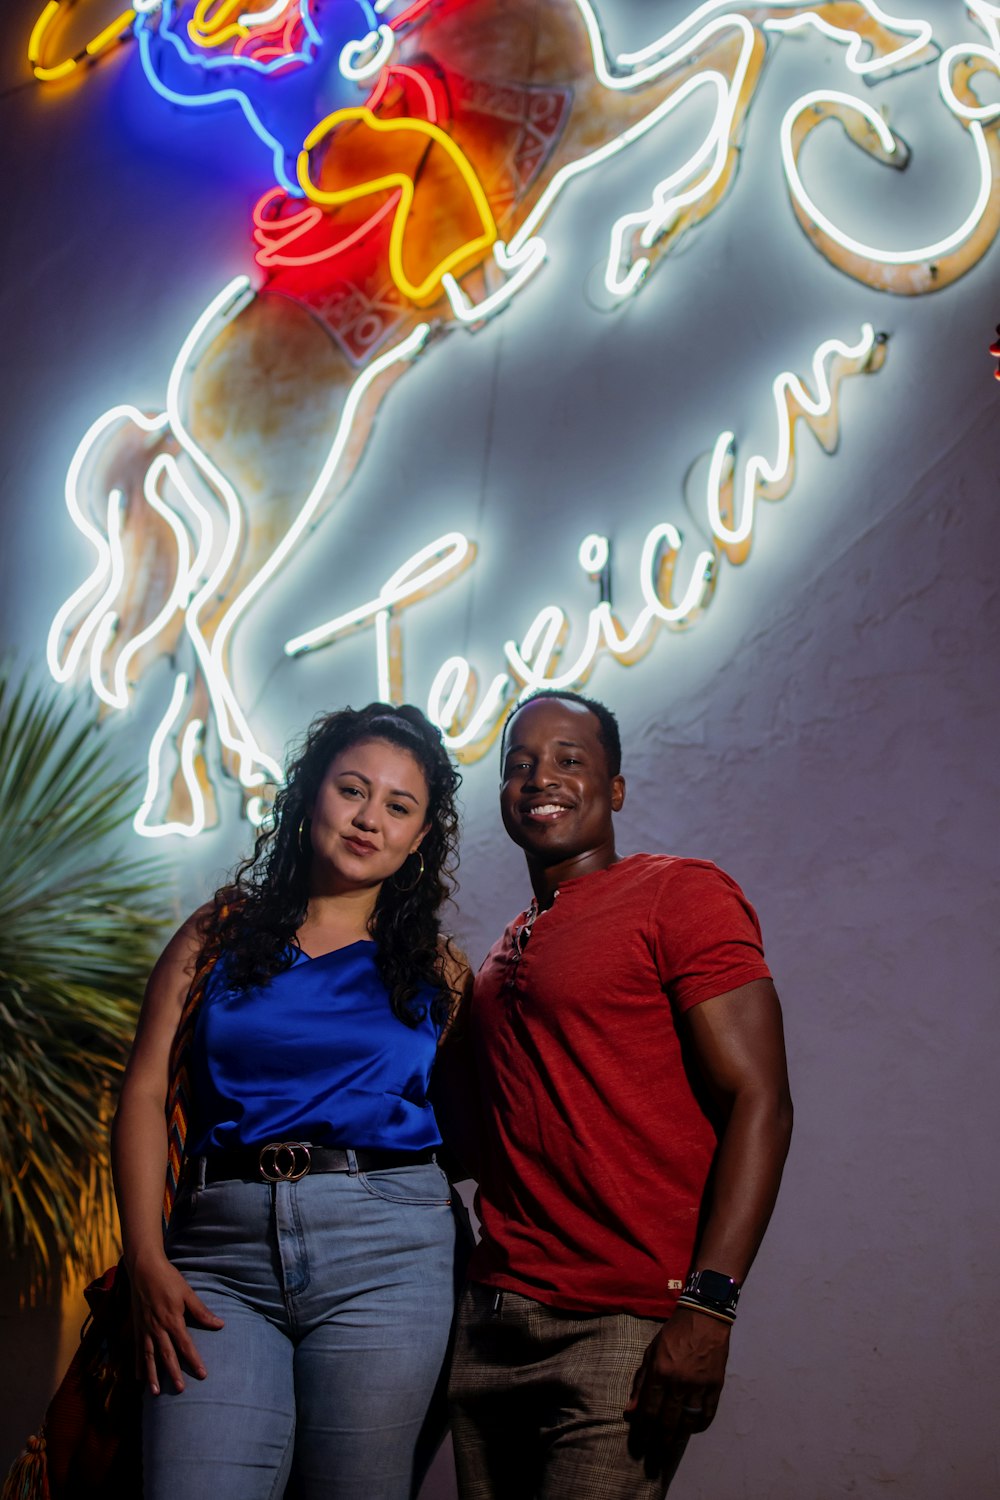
(607, 724)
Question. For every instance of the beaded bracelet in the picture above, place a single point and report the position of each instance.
(712, 1312)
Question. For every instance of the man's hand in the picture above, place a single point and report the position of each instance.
(677, 1387)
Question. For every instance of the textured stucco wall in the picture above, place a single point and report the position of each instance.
(842, 766)
(827, 732)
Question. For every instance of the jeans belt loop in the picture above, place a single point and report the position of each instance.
(352, 1162)
(201, 1166)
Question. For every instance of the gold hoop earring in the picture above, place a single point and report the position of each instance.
(302, 828)
(404, 890)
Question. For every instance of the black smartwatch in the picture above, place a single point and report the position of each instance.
(712, 1291)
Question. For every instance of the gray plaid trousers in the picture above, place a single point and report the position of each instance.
(537, 1397)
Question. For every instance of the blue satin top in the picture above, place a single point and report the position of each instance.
(314, 1055)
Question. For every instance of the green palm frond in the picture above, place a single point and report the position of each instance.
(79, 923)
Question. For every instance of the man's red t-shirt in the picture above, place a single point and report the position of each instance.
(596, 1148)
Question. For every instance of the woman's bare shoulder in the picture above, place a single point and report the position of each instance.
(177, 964)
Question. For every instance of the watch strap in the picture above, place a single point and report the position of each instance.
(712, 1292)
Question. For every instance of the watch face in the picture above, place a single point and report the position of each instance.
(716, 1286)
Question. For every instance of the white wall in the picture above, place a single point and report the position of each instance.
(827, 731)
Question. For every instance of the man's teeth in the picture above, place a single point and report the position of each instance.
(549, 807)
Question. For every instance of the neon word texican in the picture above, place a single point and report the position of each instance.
(538, 660)
(188, 492)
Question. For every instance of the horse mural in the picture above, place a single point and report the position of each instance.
(415, 153)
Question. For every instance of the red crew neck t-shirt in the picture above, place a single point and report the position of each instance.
(596, 1149)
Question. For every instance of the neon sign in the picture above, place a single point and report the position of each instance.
(662, 76)
(536, 660)
(117, 31)
(422, 135)
(361, 108)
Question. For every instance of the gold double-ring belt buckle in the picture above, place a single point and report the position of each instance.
(279, 1161)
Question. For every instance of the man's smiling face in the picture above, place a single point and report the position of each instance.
(557, 792)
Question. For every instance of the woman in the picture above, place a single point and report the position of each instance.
(306, 1278)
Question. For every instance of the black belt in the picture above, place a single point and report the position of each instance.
(287, 1161)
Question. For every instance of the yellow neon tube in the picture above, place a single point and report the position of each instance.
(110, 34)
(207, 30)
(421, 291)
(48, 73)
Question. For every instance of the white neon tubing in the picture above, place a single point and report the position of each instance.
(664, 59)
(103, 633)
(988, 17)
(518, 268)
(664, 209)
(545, 636)
(701, 574)
(256, 812)
(757, 468)
(382, 667)
(110, 559)
(234, 731)
(188, 752)
(611, 148)
(982, 112)
(61, 672)
(651, 222)
(922, 36)
(920, 31)
(450, 686)
(728, 94)
(255, 18)
(113, 580)
(233, 728)
(179, 593)
(888, 143)
(544, 640)
(202, 516)
(404, 350)
(445, 556)
(383, 40)
(593, 554)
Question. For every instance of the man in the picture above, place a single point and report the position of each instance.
(636, 1116)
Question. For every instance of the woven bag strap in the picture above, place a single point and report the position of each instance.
(179, 1092)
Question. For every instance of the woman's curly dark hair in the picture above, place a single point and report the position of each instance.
(255, 916)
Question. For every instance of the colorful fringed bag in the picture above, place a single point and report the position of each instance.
(89, 1446)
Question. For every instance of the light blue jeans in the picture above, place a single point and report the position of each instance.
(337, 1293)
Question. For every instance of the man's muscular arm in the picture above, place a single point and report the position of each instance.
(738, 1042)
